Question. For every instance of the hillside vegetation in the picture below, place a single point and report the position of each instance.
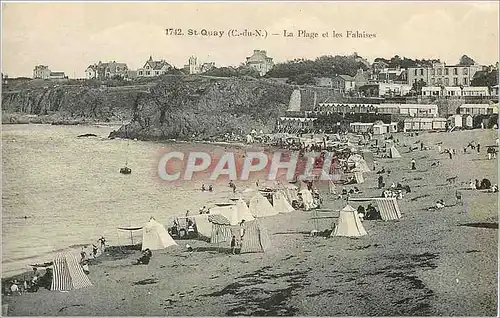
(207, 108)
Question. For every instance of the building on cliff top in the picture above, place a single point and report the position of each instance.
(106, 70)
(260, 61)
(194, 68)
(43, 72)
(154, 68)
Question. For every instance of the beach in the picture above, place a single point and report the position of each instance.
(441, 262)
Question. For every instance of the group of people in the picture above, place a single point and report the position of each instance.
(30, 284)
(210, 188)
(370, 213)
(145, 257)
(485, 184)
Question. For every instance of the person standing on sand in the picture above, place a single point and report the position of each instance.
(450, 153)
(413, 164)
(83, 254)
(439, 148)
(242, 232)
(478, 148)
(233, 244)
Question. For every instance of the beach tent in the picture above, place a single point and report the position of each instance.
(331, 187)
(260, 206)
(221, 229)
(362, 166)
(394, 153)
(203, 225)
(68, 274)
(234, 213)
(281, 204)
(349, 223)
(358, 175)
(256, 238)
(388, 207)
(368, 157)
(155, 236)
(307, 198)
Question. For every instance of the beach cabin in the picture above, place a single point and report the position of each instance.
(379, 128)
(467, 121)
(455, 121)
(424, 124)
(361, 127)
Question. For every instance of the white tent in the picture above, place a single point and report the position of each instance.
(260, 206)
(281, 204)
(394, 153)
(332, 187)
(234, 213)
(358, 175)
(349, 223)
(68, 274)
(307, 198)
(155, 236)
(203, 225)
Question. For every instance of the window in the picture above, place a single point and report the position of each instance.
(421, 71)
(148, 73)
(455, 71)
(465, 71)
(455, 81)
(157, 73)
(440, 72)
(465, 81)
(446, 81)
(445, 71)
(433, 72)
(140, 72)
(433, 81)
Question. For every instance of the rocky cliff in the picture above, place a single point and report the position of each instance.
(71, 102)
(205, 108)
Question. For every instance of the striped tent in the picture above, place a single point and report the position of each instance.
(221, 229)
(256, 238)
(68, 274)
(389, 209)
(359, 177)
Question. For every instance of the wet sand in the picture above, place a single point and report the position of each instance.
(428, 263)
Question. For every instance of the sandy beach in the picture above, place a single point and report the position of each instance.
(428, 263)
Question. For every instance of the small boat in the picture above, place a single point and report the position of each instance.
(125, 170)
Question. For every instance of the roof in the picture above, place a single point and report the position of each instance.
(157, 65)
(421, 119)
(475, 88)
(346, 77)
(476, 106)
(56, 73)
(218, 219)
(259, 56)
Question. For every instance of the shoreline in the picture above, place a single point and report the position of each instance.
(427, 263)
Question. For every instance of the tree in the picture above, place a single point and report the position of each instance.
(466, 61)
(485, 78)
(418, 86)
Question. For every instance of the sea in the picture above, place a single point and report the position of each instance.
(61, 193)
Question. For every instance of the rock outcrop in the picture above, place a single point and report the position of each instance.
(205, 108)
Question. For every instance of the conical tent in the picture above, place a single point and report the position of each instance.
(281, 204)
(260, 206)
(362, 166)
(332, 187)
(68, 274)
(155, 236)
(394, 153)
(243, 211)
(234, 213)
(307, 198)
(256, 238)
(349, 223)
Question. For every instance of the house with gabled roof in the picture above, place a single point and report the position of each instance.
(343, 83)
(106, 70)
(154, 68)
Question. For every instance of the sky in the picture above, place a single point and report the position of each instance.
(70, 36)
